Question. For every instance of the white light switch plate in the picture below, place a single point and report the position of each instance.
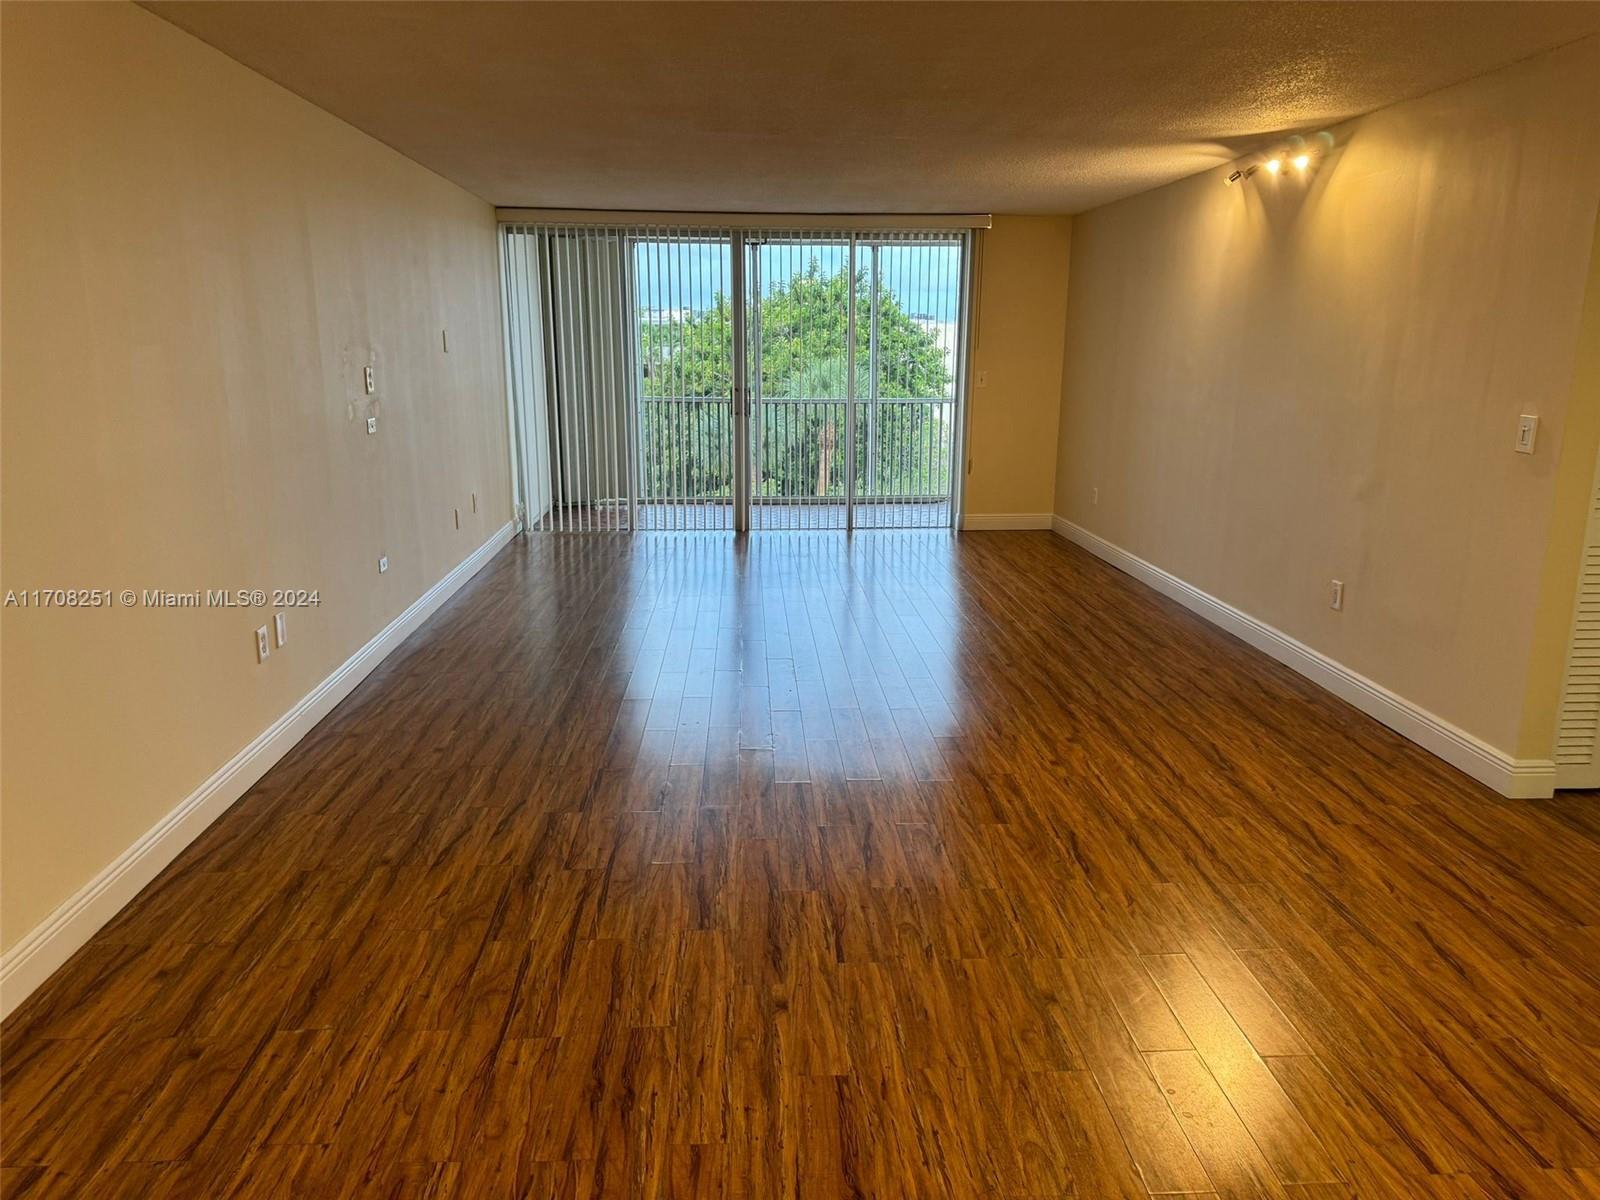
(1527, 433)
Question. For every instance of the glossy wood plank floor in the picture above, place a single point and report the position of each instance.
(911, 866)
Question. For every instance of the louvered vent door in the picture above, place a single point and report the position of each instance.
(1577, 760)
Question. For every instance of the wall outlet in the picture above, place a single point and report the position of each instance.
(263, 649)
(369, 379)
(1094, 495)
(383, 563)
(372, 424)
(1527, 433)
(1336, 596)
(280, 623)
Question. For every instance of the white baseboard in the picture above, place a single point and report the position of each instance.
(1522, 778)
(33, 959)
(1006, 521)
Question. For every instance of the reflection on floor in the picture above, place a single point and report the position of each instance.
(804, 865)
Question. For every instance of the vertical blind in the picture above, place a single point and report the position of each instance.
(693, 378)
(620, 349)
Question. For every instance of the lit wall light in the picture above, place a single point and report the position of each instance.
(1297, 153)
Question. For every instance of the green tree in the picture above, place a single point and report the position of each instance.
(687, 361)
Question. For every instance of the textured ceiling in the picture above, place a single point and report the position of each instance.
(847, 107)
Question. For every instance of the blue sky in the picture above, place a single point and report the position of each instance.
(677, 275)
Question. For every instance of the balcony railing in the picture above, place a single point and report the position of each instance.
(903, 452)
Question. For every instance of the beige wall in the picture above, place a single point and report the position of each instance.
(1278, 384)
(1020, 320)
(197, 265)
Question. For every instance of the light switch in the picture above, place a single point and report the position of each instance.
(1527, 433)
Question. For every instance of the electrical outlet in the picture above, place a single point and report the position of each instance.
(1336, 596)
(1527, 433)
(263, 649)
(280, 623)
(372, 424)
(383, 563)
(368, 377)
(1094, 495)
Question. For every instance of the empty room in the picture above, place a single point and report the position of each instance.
(800, 600)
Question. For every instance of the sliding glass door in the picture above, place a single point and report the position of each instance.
(690, 379)
(908, 429)
(684, 402)
(855, 387)
(800, 358)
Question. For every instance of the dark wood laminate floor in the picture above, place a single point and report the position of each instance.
(908, 866)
